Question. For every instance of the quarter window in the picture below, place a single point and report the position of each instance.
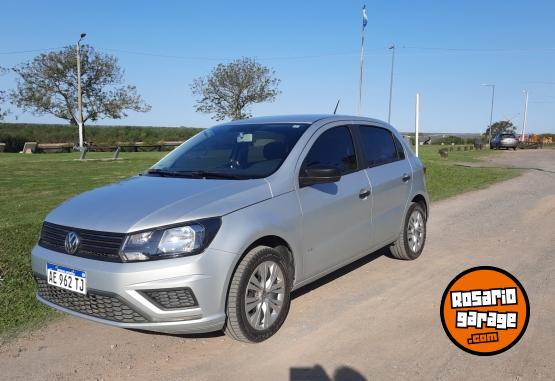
(379, 146)
(400, 150)
(333, 148)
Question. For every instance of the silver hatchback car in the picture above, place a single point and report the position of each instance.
(219, 232)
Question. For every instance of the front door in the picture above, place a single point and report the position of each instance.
(335, 216)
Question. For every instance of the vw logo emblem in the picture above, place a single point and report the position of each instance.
(72, 242)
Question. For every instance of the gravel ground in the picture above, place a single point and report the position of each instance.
(375, 319)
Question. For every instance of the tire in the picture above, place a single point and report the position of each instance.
(249, 326)
(405, 248)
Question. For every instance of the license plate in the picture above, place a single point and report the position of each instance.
(66, 278)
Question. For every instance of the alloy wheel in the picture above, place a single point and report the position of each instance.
(415, 231)
(264, 295)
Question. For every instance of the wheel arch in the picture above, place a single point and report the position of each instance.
(420, 199)
(277, 243)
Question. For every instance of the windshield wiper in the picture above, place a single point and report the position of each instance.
(193, 174)
(217, 175)
(166, 173)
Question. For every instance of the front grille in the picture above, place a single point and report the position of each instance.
(102, 306)
(103, 246)
(173, 298)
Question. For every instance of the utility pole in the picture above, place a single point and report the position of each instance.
(525, 120)
(392, 48)
(79, 93)
(491, 110)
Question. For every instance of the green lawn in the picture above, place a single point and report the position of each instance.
(32, 185)
(445, 179)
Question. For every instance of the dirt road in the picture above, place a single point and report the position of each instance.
(377, 319)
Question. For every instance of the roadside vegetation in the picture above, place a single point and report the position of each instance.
(32, 185)
(16, 134)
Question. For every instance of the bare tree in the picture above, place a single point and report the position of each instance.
(3, 112)
(231, 88)
(48, 85)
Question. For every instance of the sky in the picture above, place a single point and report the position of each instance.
(445, 50)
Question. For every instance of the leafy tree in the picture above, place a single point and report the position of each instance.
(48, 85)
(231, 88)
(502, 126)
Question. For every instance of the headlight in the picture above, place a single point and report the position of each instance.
(170, 242)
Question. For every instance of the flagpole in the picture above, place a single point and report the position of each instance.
(361, 72)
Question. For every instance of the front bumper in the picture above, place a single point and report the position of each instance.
(206, 274)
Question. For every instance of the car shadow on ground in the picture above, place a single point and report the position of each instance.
(317, 373)
(295, 294)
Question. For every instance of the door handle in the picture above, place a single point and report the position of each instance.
(364, 193)
(406, 177)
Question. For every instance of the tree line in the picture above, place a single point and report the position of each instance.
(14, 135)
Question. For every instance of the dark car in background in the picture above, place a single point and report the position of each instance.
(504, 141)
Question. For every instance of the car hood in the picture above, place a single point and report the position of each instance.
(144, 202)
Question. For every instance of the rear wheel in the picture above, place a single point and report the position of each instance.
(258, 299)
(411, 242)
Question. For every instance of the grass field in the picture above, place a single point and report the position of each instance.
(32, 185)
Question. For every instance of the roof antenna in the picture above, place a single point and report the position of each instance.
(336, 106)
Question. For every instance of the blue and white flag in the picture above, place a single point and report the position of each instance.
(364, 16)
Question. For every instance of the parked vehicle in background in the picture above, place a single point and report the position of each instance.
(504, 141)
(219, 232)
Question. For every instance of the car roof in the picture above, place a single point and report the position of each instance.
(304, 118)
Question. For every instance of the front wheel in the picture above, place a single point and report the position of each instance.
(411, 241)
(259, 295)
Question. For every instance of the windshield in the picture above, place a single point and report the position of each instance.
(232, 151)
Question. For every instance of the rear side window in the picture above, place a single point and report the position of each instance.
(379, 146)
(333, 148)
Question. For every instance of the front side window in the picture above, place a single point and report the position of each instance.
(334, 148)
(379, 147)
(232, 151)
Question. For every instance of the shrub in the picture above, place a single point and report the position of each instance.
(16, 134)
(13, 143)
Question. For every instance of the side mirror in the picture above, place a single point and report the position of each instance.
(319, 175)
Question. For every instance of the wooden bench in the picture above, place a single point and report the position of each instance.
(97, 148)
(54, 147)
(142, 147)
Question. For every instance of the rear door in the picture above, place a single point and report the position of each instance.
(335, 216)
(390, 176)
